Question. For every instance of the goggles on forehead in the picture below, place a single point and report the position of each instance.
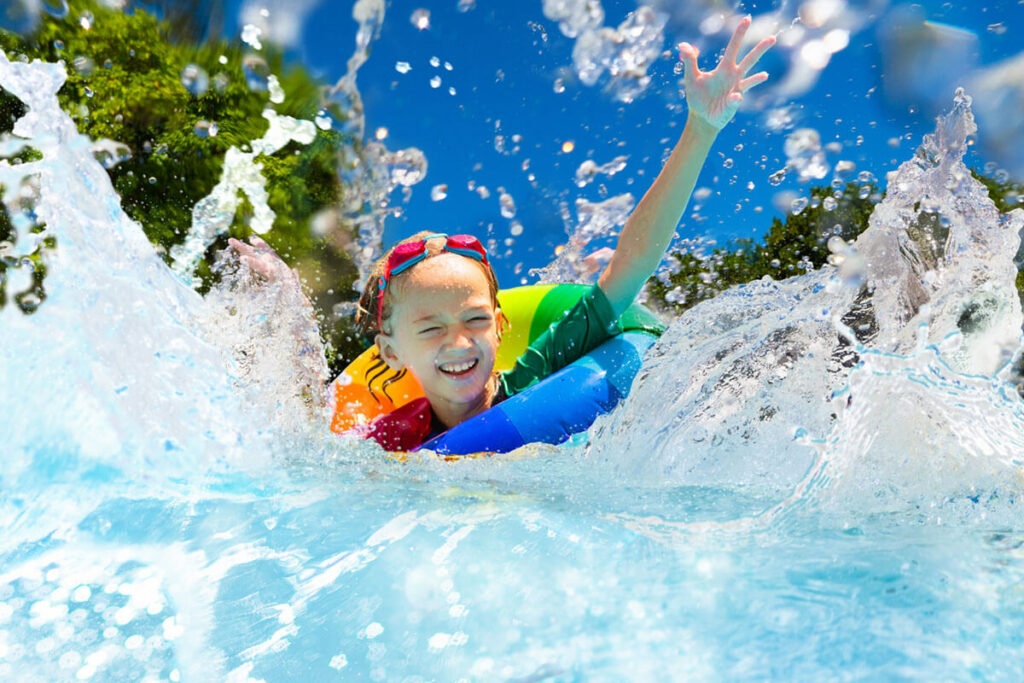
(405, 256)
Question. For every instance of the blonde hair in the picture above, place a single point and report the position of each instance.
(367, 313)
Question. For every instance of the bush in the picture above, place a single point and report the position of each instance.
(792, 246)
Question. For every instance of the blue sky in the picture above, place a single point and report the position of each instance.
(505, 57)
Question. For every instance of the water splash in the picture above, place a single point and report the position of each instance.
(805, 155)
(85, 412)
(955, 268)
(594, 220)
(740, 383)
(213, 215)
(625, 53)
(589, 170)
(371, 171)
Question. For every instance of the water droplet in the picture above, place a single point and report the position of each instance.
(403, 67)
(508, 205)
(381, 133)
(559, 85)
(798, 205)
(251, 36)
(777, 177)
(83, 65)
(466, 5)
(803, 152)
(322, 120)
(438, 192)
(435, 82)
(152, 180)
(195, 79)
(420, 19)
(205, 129)
(221, 82)
(516, 228)
(85, 20)
(110, 153)
(829, 203)
(58, 44)
(276, 91)
(88, 91)
(256, 72)
(568, 146)
(56, 8)
(727, 163)
(845, 169)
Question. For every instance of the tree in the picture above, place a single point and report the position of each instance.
(131, 80)
(791, 246)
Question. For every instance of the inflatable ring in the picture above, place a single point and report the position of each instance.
(366, 389)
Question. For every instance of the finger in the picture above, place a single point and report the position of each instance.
(748, 83)
(754, 55)
(733, 49)
(241, 247)
(688, 53)
(258, 242)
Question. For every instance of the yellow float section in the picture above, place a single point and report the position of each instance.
(354, 404)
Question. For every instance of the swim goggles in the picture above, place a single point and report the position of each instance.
(405, 256)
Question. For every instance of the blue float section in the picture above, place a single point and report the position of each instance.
(551, 411)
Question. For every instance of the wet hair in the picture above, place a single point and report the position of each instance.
(366, 313)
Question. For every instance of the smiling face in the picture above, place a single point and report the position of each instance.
(443, 328)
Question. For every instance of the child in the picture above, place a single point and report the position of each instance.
(431, 301)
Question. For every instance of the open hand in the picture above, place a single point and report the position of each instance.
(260, 258)
(716, 95)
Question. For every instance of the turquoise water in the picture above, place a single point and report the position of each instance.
(789, 492)
(495, 573)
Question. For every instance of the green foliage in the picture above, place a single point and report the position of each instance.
(790, 247)
(125, 84)
(794, 245)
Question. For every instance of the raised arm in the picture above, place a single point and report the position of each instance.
(713, 98)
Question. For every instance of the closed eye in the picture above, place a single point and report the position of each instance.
(429, 331)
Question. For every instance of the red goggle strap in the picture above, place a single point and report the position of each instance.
(463, 245)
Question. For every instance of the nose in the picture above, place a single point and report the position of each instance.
(460, 338)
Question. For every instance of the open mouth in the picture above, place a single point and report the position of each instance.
(459, 369)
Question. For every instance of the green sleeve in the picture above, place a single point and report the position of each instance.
(583, 328)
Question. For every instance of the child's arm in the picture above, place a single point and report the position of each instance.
(713, 98)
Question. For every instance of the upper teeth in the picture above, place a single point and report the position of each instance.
(458, 367)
